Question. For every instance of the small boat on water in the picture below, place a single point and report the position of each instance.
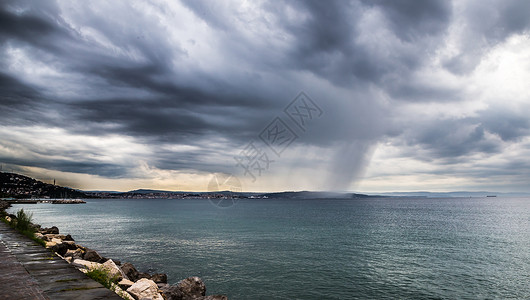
(491, 196)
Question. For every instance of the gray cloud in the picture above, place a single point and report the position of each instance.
(485, 24)
(125, 74)
(412, 20)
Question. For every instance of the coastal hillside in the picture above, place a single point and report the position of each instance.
(315, 195)
(19, 186)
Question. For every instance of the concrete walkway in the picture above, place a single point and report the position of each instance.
(29, 271)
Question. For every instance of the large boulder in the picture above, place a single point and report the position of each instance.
(130, 271)
(51, 236)
(75, 254)
(68, 238)
(51, 230)
(125, 283)
(123, 294)
(159, 278)
(92, 255)
(50, 244)
(85, 264)
(60, 248)
(192, 287)
(170, 292)
(57, 241)
(114, 270)
(145, 289)
(70, 244)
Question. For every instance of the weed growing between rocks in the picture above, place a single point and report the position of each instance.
(23, 221)
(102, 276)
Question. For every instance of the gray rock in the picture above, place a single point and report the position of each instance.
(51, 236)
(170, 292)
(57, 241)
(192, 287)
(51, 230)
(122, 293)
(70, 244)
(92, 255)
(68, 238)
(125, 284)
(60, 249)
(145, 288)
(85, 264)
(159, 278)
(75, 254)
(130, 271)
(114, 270)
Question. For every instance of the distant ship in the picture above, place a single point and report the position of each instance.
(491, 196)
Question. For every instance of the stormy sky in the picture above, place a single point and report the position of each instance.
(390, 95)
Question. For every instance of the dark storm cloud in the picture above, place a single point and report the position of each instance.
(410, 91)
(453, 138)
(452, 141)
(32, 28)
(67, 165)
(127, 79)
(327, 43)
(172, 113)
(22, 103)
(508, 125)
(15, 93)
(412, 20)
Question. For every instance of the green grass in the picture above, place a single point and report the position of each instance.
(102, 276)
(32, 236)
(23, 225)
(23, 221)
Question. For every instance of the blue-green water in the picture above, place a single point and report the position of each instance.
(387, 248)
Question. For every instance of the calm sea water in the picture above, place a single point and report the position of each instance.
(458, 248)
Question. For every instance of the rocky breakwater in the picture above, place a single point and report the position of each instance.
(129, 282)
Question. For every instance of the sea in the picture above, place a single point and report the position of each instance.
(369, 248)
